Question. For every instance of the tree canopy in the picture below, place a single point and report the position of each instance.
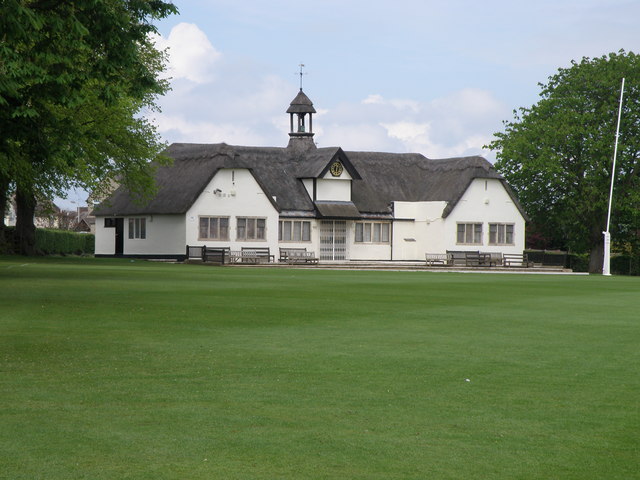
(557, 155)
(74, 77)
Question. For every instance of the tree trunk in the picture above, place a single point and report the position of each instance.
(25, 228)
(596, 256)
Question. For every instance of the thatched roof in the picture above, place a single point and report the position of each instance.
(301, 104)
(379, 178)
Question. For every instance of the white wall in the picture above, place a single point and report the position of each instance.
(105, 238)
(308, 185)
(367, 251)
(418, 229)
(485, 201)
(334, 188)
(164, 236)
(239, 196)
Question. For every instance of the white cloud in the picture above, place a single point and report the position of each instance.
(400, 104)
(188, 130)
(191, 55)
(459, 124)
(245, 104)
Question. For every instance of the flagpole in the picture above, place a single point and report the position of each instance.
(606, 264)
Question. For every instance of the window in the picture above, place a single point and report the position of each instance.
(501, 233)
(372, 232)
(251, 228)
(214, 228)
(469, 233)
(109, 223)
(294, 231)
(138, 228)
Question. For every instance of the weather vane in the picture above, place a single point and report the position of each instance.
(301, 74)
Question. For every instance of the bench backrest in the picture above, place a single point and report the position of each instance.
(258, 251)
(216, 254)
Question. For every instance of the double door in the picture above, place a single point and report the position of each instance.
(333, 240)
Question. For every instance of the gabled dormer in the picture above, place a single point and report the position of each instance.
(328, 176)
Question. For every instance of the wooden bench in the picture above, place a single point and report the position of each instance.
(297, 255)
(254, 255)
(219, 255)
(493, 259)
(474, 258)
(516, 260)
(464, 258)
(432, 259)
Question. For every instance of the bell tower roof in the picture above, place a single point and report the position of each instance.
(301, 104)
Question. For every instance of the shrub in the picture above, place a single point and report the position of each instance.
(625, 264)
(50, 242)
(579, 262)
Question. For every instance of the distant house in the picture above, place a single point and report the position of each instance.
(342, 205)
(10, 213)
(85, 221)
(46, 214)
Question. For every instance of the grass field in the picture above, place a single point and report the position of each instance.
(112, 369)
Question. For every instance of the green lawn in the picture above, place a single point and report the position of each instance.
(112, 369)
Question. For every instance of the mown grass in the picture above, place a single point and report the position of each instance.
(134, 370)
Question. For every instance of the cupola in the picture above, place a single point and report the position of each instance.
(301, 134)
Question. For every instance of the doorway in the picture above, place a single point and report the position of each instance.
(119, 236)
(333, 240)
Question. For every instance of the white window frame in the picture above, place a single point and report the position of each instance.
(469, 233)
(502, 233)
(137, 228)
(294, 231)
(251, 229)
(217, 231)
(372, 232)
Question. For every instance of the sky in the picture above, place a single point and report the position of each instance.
(437, 78)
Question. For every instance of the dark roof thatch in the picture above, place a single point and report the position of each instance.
(301, 104)
(379, 178)
(337, 209)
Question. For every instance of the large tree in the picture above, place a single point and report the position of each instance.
(74, 78)
(557, 154)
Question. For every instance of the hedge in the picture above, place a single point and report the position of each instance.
(625, 264)
(51, 242)
(57, 242)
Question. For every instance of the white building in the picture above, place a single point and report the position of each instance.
(341, 205)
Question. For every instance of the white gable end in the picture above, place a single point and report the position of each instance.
(232, 194)
(486, 202)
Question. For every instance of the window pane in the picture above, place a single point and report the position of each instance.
(204, 227)
(509, 235)
(376, 232)
(286, 234)
(280, 231)
(143, 228)
(460, 236)
(297, 231)
(224, 229)
(260, 228)
(385, 232)
(477, 237)
(306, 231)
(359, 232)
(493, 228)
(251, 228)
(367, 232)
(468, 233)
(213, 228)
(241, 228)
(501, 233)
(131, 228)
